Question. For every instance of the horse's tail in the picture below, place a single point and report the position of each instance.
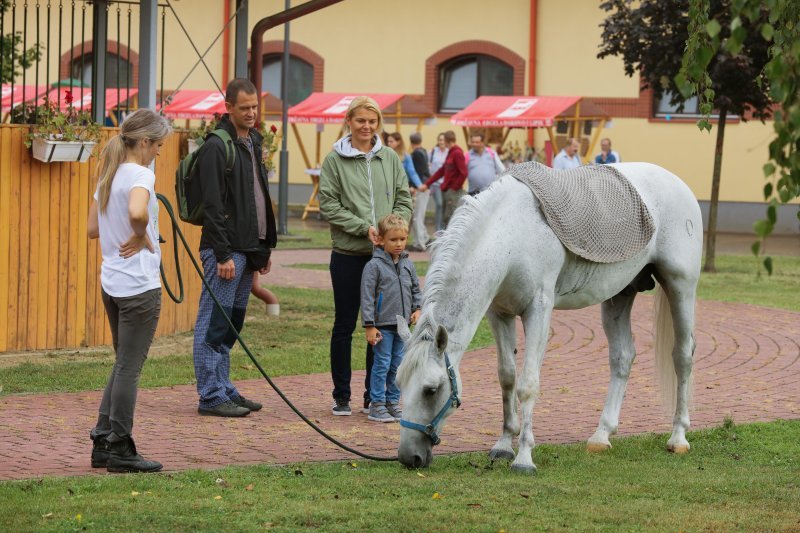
(663, 343)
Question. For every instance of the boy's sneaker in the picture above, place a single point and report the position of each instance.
(365, 410)
(394, 410)
(341, 408)
(379, 413)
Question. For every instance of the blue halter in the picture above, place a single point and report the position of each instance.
(453, 401)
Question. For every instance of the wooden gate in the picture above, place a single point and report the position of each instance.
(50, 270)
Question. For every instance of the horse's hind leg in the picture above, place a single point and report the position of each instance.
(616, 315)
(505, 334)
(681, 293)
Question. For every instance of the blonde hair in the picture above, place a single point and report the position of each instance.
(363, 102)
(401, 146)
(139, 125)
(391, 222)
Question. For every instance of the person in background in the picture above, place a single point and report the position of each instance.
(483, 165)
(607, 155)
(124, 216)
(238, 236)
(454, 171)
(418, 229)
(361, 181)
(568, 157)
(436, 159)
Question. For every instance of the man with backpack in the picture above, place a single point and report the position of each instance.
(237, 239)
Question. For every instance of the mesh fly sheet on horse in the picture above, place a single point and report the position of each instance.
(594, 210)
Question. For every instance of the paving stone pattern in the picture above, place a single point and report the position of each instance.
(747, 366)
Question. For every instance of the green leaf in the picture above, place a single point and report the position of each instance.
(772, 214)
(767, 31)
(768, 265)
(769, 169)
(756, 248)
(713, 28)
(767, 191)
(762, 228)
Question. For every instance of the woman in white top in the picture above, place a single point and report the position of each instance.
(124, 215)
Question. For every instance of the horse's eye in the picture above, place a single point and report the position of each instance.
(430, 391)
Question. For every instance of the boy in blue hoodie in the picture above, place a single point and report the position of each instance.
(389, 287)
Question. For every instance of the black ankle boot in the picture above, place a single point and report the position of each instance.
(100, 451)
(123, 458)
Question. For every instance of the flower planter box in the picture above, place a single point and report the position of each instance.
(50, 151)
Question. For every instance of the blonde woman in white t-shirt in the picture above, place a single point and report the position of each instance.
(124, 216)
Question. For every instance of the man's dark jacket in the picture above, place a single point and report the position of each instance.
(231, 223)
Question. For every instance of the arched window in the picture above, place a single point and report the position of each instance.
(301, 77)
(464, 78)
(122, 62)
(119, 72)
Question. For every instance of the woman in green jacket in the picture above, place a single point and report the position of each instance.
(361, 181)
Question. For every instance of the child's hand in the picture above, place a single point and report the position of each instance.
(415, 316)
(373, 335)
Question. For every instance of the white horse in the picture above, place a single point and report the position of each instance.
(500, 258)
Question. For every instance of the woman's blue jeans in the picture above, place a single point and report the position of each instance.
(388, 356)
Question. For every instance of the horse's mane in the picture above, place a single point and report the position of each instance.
(449, 254)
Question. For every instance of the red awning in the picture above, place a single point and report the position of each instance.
(22, 93)
(197, 104)
(517, 111)
(330, 108)
(82, 97)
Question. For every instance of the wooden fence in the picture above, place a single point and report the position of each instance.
(50, 270)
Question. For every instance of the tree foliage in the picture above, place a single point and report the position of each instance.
(778, 23)
(12, 57)
(651, 35)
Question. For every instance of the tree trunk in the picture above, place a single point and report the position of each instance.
(711, 233)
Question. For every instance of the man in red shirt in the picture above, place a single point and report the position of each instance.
(454, 170)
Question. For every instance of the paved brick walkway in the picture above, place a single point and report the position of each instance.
(747, 366)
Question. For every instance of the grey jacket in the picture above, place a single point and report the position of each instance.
(388, 289)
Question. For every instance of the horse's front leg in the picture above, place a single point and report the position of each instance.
(616, 314)
(536, 322)
(505, 335)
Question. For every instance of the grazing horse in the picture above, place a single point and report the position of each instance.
(499, 257)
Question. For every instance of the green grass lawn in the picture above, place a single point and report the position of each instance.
(742, 478)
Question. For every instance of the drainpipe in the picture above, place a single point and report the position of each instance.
(261, 27)
(532, 60)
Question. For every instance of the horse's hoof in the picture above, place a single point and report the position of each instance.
(678, 449)
(502, 455)
(524, 469)
(597, 447)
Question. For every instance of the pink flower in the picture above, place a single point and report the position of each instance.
(273, 129)
(68, 97)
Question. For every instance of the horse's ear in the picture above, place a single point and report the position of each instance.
(402, 329)
(441, 339)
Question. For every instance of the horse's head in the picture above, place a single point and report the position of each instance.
(430, 392)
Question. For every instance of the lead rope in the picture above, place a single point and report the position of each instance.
(178, 234)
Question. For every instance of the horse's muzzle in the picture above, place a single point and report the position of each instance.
(415, 452)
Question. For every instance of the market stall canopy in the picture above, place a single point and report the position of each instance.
(330, 108)
(526, 111)
(82, 97)
(199, 104)
(21, 93)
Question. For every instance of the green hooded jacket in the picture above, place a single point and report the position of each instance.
(356, 190)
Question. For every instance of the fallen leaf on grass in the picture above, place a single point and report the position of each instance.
(48, 515)
(217, 497)
(134, 493)
(353, 465)
(420, 474)
(525, 495)
(249, 487)
(247, 367)
(474, 505)
(436, 496)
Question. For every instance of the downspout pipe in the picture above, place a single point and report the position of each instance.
(532, 33)
(261, 27)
